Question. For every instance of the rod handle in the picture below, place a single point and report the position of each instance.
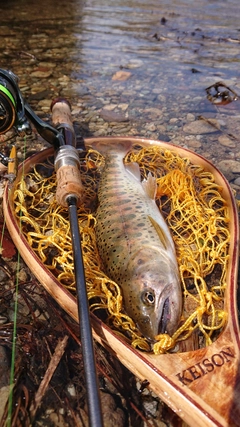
(67, 164)
(61, 113)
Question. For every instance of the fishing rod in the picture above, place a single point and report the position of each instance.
(14, 112)
(69, 194)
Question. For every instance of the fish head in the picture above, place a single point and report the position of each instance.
(154, 300)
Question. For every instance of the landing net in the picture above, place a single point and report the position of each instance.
(196, 214)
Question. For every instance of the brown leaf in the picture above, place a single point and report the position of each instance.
(121, 75)
(8, 249)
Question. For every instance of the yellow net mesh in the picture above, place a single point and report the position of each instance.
(197, 216)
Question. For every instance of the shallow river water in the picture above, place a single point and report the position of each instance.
(133, 68)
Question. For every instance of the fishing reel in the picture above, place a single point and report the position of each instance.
(16, 113)
(12, 112)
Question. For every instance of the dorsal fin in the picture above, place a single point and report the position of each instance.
(133, 170)
(150, 186)
(160, 232)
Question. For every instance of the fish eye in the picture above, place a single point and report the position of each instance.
(148, 297)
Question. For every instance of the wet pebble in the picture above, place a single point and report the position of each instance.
(229, 165)
(150, 127)
(3, 275)
(193, 143)
(112, 116)
(190, 117)
(150, 406)
(123, 107)
(71, 389)
(110, 107)
(154, 111)
(173, 120)
(22, 275)
(226, 141)
(112, 414)
(41, 74)
(201, 126)
(45, 104)
(237, 181)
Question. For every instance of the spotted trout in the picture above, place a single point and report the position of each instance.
(135, 244)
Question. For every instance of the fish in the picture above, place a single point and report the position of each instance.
(135, 243)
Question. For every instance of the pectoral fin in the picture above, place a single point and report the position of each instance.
(160, 233)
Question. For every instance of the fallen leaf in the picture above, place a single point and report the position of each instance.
(121, 75)
(8, 249)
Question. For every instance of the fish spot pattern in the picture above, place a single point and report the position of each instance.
(122, 219)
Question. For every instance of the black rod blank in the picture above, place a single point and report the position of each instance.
(94, 406)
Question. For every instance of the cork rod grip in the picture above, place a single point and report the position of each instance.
(67, 164)
(61, 113)
(68, 185)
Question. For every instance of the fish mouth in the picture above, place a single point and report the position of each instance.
(166, 316)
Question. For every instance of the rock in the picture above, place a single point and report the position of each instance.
(229, 166)
(161, 128)
(151, 127)
(201, 126)
(151, 407)
(173, 120)
(123, 107)
(111, 116)
(226, 141)
(71, 389)
(49, 65)
(110, 107)
(22, 275)
(154, 111)
(193, 143)
(45, 103)
(40, 95)
(237, 181)
(64, 78)
(163, 137)
(190, 117)
(41, 74)
(112, 415)
(178, 140)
